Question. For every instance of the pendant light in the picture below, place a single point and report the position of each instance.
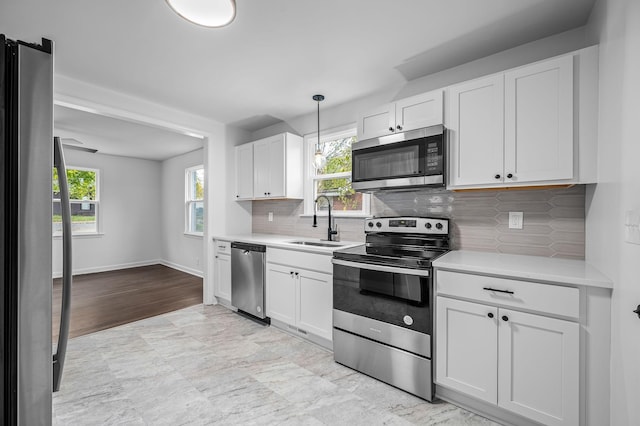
(206, 13)
(319, 160)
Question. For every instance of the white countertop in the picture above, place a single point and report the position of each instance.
(284, 241)
(548, 269)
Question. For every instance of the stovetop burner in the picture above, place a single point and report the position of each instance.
(412, 242)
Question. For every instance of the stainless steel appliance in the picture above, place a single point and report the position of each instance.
(410, 159)
(247, 278)
(383, 301)
(29, 374)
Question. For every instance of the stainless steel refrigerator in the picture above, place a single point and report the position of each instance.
(30, 371)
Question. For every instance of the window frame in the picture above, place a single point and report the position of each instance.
(189, 200)
(96, 202)
(309, 179)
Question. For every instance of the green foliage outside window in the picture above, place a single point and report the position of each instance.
(82, 184)
(338, 155)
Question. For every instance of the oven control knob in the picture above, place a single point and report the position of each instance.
(407, 320)
(378, 224)
(439, 225)
(427, 225)
(370, 224)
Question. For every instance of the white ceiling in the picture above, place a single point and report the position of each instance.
(267, 64)
(115, 136)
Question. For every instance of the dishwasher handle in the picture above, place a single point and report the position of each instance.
(249, 247)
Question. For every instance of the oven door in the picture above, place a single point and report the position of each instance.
(398, 296)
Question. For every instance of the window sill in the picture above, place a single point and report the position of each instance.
(340, 215)
(193, 235)
(88, 235)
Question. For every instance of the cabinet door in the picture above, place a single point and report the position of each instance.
(223, 276)
(281, 293)
(538, 372)
(315, 303)
(277, 153)
(539, 121)
(466, 348)
(475, 121)
(261, 168)
(418, 111)
(378, 122)
(244, 172)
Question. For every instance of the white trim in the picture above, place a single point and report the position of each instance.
(108, 268)
(310, 139)
(111, 267)
(181, 268)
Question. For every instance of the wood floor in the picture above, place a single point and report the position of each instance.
(107, 299)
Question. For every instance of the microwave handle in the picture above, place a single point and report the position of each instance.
(381, 268)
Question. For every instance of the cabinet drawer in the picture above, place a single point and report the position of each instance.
(222, 247)
(545, 298)
(300, 259)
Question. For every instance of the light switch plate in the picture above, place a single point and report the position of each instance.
(515, 220)
(270, 216)
(632, 226)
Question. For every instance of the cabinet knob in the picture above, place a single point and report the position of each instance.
(490, 314)
(237, 196)
(637, 311)
(265, 193)
(399, 127)
(291, 273)
(497, 176)
(391, 129)
(297, 273)
(509, 175)
(505, 318)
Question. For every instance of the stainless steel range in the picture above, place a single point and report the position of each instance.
(383, 299)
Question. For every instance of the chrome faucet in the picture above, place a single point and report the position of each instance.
(330, 232)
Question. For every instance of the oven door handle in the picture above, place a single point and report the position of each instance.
(381, 268)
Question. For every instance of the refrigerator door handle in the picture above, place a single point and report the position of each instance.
(63, 336)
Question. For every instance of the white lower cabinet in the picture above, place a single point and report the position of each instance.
(222, 270)
(522, 362)
(301, 298)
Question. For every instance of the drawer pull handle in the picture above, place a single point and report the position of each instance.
(499, 291)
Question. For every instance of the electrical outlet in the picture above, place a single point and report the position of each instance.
(515, 220)
(632, 226)
(197, 261)
(270, 216)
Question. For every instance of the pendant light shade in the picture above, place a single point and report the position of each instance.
(207, 13)
(319, 160)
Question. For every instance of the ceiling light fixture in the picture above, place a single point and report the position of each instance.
(319, 160)
(207, 13)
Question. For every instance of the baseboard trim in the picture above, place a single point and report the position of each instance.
(108, 268)
(182, 268)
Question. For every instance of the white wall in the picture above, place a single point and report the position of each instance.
(129, 215)
(179, 250)
(615, 24)
(332, 116)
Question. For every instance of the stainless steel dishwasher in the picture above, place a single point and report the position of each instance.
(247, 278)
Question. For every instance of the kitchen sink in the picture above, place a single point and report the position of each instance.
(318, 243)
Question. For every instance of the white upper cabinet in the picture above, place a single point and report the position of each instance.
(423, 110)
(270, 168)
(244, 172)
(516, 128)
(538, 144)
(476, 131)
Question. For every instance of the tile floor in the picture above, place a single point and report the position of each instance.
(208, 365)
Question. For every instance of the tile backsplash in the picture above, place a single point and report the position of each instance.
(554, 219)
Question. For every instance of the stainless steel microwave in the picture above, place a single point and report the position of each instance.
(411, 159)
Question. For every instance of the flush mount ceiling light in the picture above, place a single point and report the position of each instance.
(319, 160)
(207, 13)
